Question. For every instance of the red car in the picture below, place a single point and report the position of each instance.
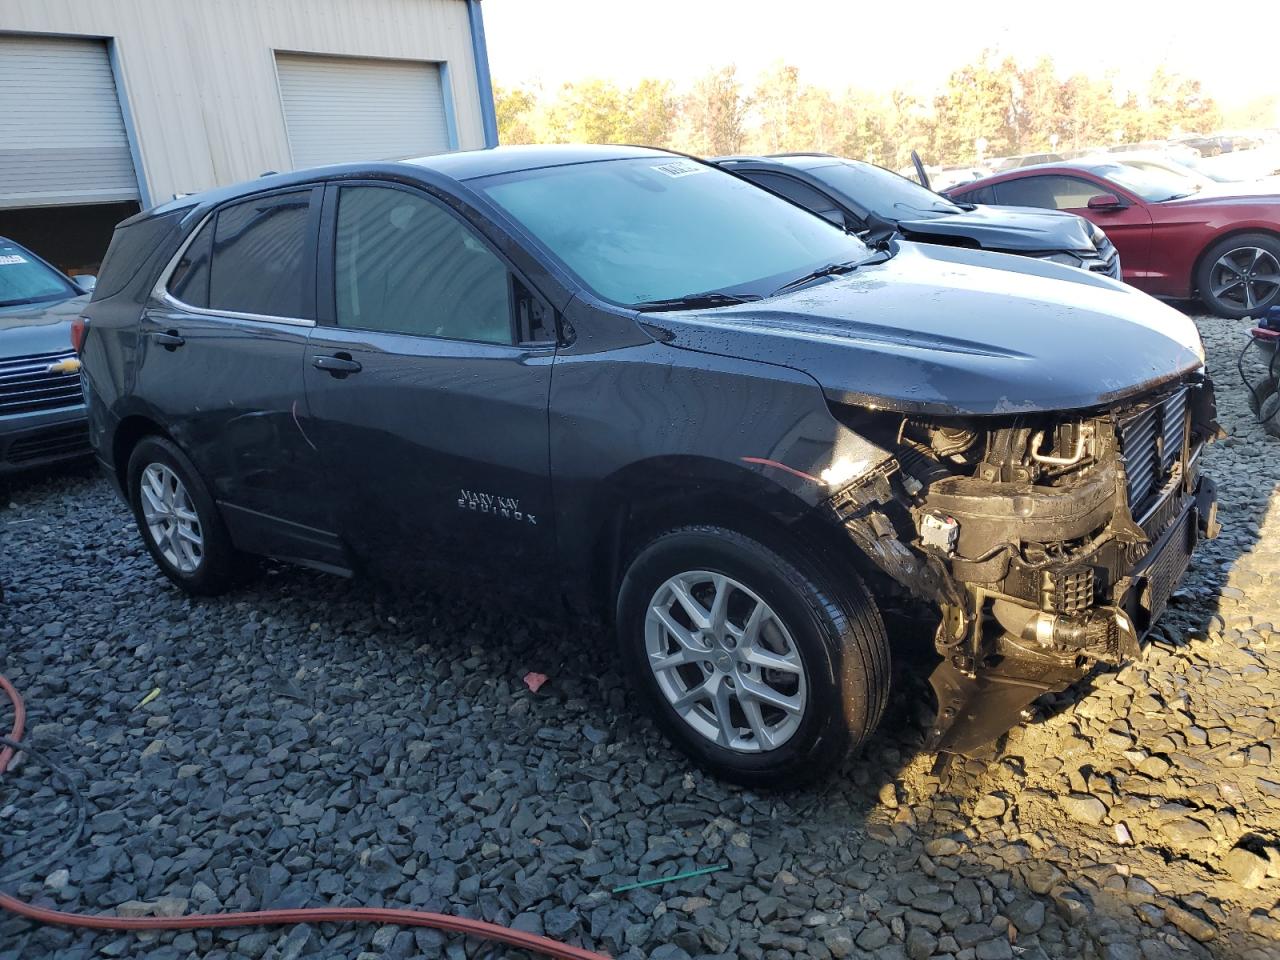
(1175, 240)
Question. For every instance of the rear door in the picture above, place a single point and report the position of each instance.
(427, 387)
(221, 351)
(1128, 227)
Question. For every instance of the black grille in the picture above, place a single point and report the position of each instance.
(27, 386)
(59, 442)
(1150, 444)
(1162, 572)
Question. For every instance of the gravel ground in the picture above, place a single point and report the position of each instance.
(314, 744)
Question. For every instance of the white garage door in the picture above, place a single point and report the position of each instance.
(342, 108)
(62, 138)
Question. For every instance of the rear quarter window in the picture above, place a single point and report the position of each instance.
(133, 243)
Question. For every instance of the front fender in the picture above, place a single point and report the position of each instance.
(652, 423)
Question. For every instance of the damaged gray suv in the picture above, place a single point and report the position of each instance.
(634, 384)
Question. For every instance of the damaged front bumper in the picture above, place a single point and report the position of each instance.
(1045, 656)
(1053, 550)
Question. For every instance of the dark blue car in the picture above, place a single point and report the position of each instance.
(873, 202)
(42, 416)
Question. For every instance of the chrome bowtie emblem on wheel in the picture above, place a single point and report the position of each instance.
(507, 508)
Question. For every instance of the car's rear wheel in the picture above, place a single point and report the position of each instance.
(178, 520)
(754, 663)
(1240, 276)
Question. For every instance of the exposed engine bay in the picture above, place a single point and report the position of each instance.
(1049, 543)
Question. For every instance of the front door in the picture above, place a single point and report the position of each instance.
(426, 397)
(221, 350)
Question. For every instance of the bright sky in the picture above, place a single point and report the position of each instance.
(882, 44)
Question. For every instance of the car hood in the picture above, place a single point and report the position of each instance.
(945, 330)
(1228, 195)
(38, 327)
(1006, 228)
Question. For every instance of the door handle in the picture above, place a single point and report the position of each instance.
(169, 339)
(339, 365)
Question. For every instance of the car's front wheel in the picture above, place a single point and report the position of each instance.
(1240, 276)
(756, 664)
(178, 520)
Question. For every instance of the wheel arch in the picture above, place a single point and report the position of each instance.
(641, 505)
(127, 435)
(1233, 231)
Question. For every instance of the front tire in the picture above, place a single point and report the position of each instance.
(178, 520)
(1240, 276)
(753, 662)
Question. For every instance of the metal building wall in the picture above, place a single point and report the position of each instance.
(199, 77)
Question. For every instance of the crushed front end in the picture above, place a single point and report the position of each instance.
(1049, 542)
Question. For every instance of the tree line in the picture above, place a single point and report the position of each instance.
(992, 107)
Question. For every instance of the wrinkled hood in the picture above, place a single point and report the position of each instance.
(945, 330)
(38, 327)
(1006, 228)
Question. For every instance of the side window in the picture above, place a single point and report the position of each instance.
(404, 265)
(797, 192)
(189, 281)
(259, 250)
(1053, 192)
(981, 195)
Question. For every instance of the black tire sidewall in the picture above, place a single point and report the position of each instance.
(214, 574)
(812, 616)
(1203, 275)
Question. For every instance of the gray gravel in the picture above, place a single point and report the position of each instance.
(314, 744)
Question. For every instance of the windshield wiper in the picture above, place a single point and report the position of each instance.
(830, 270)
(694, 301)
(1176, 196)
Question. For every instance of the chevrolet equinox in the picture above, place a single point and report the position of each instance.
(631, 384)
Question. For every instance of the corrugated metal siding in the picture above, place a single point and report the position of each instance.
(347, 108)
(62, 138)
(201, 81)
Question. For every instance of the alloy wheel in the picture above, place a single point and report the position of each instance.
(1247, 277)
(725, 661)
(171, 518)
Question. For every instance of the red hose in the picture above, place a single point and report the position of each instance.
(19, 719)
(403, 918)
(380, 915)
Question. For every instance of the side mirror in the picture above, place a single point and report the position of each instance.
(1106, 201)
(85, 281)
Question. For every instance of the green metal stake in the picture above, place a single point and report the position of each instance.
(679, 876)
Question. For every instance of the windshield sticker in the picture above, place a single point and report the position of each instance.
(680, 168)
(9, 258)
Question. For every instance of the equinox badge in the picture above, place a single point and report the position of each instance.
(506, 507)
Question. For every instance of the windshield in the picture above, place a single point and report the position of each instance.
(659, 228)
(1205, 170)
(1152, 185)
(24, 279)
(884, 193)
(1168, 166)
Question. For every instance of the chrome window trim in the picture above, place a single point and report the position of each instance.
(161, 290)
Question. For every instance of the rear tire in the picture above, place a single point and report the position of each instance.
(178, 519)
(800, 685)
(1240, 276)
